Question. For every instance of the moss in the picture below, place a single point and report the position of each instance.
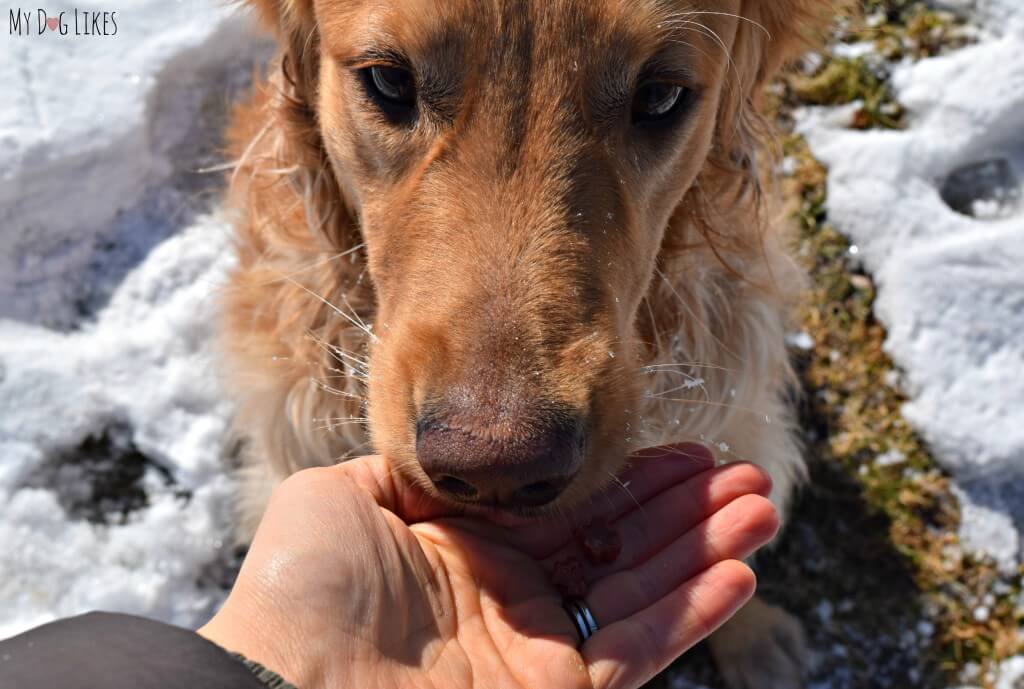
(899, 29)
(908, 29)
(841, 81)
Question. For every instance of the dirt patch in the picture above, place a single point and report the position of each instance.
(102, 479)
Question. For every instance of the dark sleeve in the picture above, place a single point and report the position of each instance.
(107, 651)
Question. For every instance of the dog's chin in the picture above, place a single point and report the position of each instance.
(499, 515)
(506, 517)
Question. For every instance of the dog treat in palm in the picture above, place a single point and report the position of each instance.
(600, 541)
(567, 577)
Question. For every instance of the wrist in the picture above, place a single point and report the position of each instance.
(262, 647)
(268, 678)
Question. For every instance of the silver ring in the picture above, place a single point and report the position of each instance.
(582, 618)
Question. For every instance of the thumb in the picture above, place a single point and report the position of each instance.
(391, 490)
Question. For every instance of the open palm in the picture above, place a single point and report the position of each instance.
(355, 579)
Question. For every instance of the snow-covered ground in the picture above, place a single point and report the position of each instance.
(936, 214)
(111, 255)
(951, 282)
(110, 261)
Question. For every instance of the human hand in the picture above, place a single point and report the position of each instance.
(355, 579)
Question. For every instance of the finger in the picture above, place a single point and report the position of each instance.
(647, 529)
(630, 652)
(732, 533)
(649, 473)
(375, 475)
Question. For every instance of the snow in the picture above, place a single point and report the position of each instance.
(144, 365)
(937, 215)
(951, 286)
(800, 340)
(99, 124)
(1011, 674)
(890, 458)
(111, 260)
(110, 264)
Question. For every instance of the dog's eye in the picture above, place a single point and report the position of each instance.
(392, 89)
(657, 101)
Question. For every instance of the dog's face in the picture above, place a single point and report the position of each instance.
(512, 166)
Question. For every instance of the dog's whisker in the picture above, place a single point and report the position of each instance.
(667, 370)
(695, 385)
(625, 488)
(684, 22)
(359, 361)
(713, 403)
(668, 365)
(349, 369)
(340, 354)
(685, 18)
(355, 313)
(338, 377)
(741, 18)
(722, 447)
(314, 264)
(357, 323)
(351, 453)
(248, 151)
(335, 391)
(339, 424)
(691, 46)
(689, 310)
(338, 349)
(690, 382)
(704, 30)
(220, 167)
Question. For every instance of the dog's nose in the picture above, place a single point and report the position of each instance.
(523, 469)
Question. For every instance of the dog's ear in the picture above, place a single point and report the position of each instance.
(294, 24)
(786, 29)
(771, 34)
(284, 16)
(293, 142)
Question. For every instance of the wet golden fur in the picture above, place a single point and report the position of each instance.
(646, 285)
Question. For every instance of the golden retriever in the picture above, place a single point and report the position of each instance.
(507, 242)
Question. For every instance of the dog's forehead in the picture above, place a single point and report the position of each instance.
(476, 31)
